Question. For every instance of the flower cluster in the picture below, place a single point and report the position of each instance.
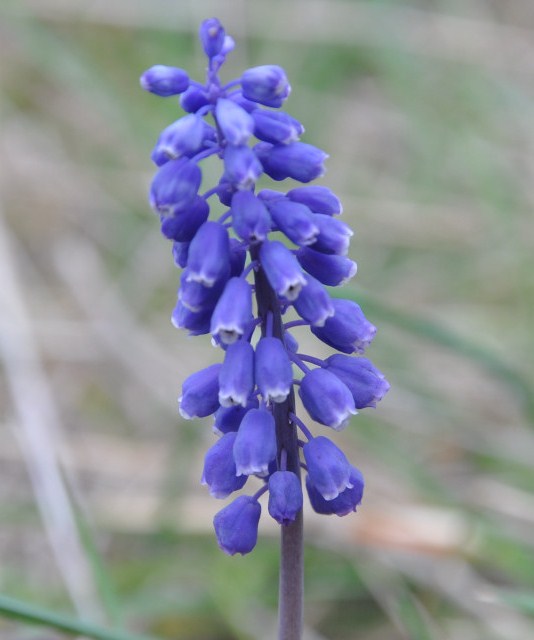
(251, 393)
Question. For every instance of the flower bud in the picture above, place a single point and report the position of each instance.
(285, 496)
(282, 269)
(329, 269)
(200, 393)
(219, 471)
(236, 377)
(366, 383)
(348, 330)
(318, 198)
(327, 399)
(255, 444)
(273, 370)
(245, 104)
(290, 342)
(196, 297)
(229, 418)
(174, 186)
(236, 526)
(183, 225)
(212, 37)
(297, 160)
(333, 237)
(235, 123)
(276, 127)
(328, 468)
(270, 194)
(233, 311)
(197, 323)
(184, 137)
(238, 257)
(250, 218)
(179, 253)
(209, 254)
(314, 304)
(225, 192)
(266, 84)
(293, 219)
(164, 81)
(193, 99)
(241, 167)
(345, 503)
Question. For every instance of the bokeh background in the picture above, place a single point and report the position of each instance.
(426, 108)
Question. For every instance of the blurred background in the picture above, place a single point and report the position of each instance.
(426, 108)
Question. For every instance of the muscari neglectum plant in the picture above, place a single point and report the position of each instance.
(249, 275)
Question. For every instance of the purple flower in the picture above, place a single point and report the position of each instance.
(236, 377)
(328, 468)
(194, 99)
(241, 167)
(294, 219)
(285, 496)
(164, 81)
(229, 418)
(180, 251)
(273, 371)
(174, 186)
(236, 526)
(282, 270)
(209, 254)
(200, 393)
(329, 269)
(267, 195)
(240, 288)
(348, 330)
(345, 503)
(235, 123)
(212, 37)
(182, 226)
(298, 160)
(233, 311)
(327, 399)
(366, 383)
(219, 471)
(238, 257)
(197, 323)
(314, 304)
(266, 84)
(184, 137)
(245, 104)
(318, 198)
(276, 127)
(255, 444)
(250, 218)
(333, 237)
(290, 343)
(197, 297)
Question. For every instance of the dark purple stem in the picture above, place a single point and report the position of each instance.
(291, 583)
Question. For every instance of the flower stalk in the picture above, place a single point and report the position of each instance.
(291, 577)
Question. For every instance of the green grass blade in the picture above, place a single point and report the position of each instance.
(104, 583)
(413, 618)
(28, 614)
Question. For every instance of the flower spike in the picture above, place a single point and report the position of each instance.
(255, 264)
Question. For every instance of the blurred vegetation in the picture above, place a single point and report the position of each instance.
(426, 110)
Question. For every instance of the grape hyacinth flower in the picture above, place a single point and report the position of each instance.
(249, 288)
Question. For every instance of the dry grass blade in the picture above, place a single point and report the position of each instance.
(38, 433)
